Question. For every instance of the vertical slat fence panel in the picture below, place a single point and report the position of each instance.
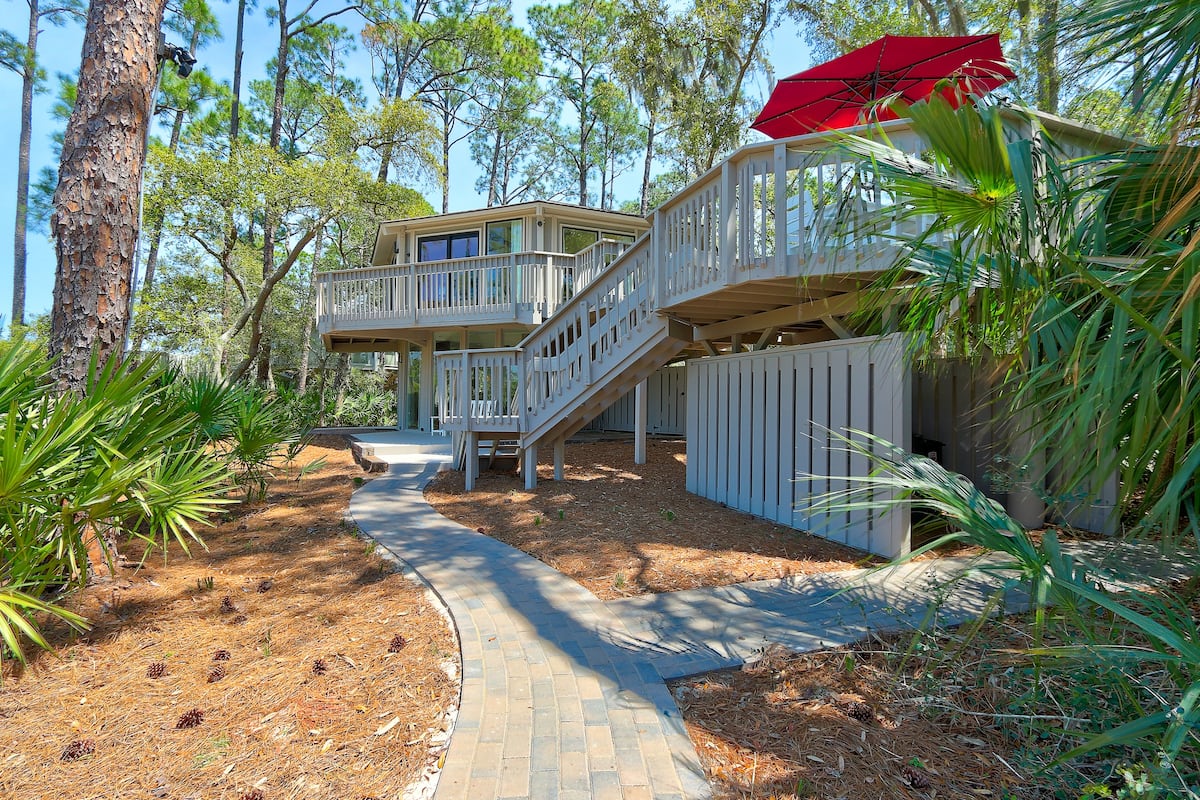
(759, 438)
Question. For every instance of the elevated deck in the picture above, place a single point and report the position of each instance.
(366, 308)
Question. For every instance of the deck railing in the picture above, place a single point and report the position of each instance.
(516, 287)
(795, 208)
(771, 210)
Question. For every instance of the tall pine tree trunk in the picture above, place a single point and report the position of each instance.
(19, 229)
(1049, 80)
(445, 161)
(95, 219)
(652, 123)
(238, 42)
(260, 340)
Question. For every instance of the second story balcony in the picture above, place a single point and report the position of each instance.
(511, 289)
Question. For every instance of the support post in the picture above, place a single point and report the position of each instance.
(426, 385)
(529, 466)
(639, 423)
(402, 388)
(471, 461)
(560, 458)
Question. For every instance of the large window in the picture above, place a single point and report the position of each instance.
(576, 239)
(504, 237)
(448, 245)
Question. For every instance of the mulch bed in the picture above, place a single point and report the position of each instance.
(317, 670)
(622, 529)
(845, 723)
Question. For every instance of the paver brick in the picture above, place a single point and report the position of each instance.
(562, 695)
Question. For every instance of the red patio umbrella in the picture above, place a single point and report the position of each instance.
(840, 93)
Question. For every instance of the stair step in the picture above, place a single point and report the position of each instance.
(373, 464)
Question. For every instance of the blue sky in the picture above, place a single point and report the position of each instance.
(60, 52)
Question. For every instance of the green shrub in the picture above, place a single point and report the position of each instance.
(122, 461)
(1134, 652)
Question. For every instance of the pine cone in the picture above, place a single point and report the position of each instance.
(190, 719)
(265, 586)
(914, 777)
(216, 673)
(156, 670)
(238, 620)
(78, 749)
(221, 655)
(319, 667)
(397, 644)
(253, 794)
(859, 711)
(227, 606)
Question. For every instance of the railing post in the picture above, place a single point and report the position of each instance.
(522, 400)
(321, 325)
(511, 285)
(657, 262)
(781, 221)
(587, 341)
(464, 391)
(728, 223)
(412, 291)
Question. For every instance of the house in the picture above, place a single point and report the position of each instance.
(466, 280)
(531, 320)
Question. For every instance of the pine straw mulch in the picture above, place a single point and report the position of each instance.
(847, 723)
(622, 529)
(306, 701)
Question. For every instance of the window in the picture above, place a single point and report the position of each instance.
(446, 246)
(504, 237)
(627, 238)
(576, 239)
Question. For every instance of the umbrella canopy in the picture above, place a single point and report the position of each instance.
(839, 93)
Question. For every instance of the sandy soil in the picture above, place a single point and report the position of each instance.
(281, 634)
(622, 529)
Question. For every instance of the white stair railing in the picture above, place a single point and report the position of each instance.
(770, 211)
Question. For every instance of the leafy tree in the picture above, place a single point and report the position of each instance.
(22, 58)
(467, 45)
(507, 120)
(710, 111)
(578, 48)
(649, 61)
(617, 137)
(290, 28)
(1029, 30)
(183, 96)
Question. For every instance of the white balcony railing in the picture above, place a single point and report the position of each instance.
(518, 287)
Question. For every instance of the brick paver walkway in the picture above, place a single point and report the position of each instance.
(563, 694)
(554, 703)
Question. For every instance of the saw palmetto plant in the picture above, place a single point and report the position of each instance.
(121, 462)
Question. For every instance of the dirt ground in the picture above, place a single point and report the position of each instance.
(622, 529)
(845, 723)
(319, 671)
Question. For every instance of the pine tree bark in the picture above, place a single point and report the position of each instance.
(644, 205)
(1049, 80)
(235, 107)
(95, 220)
(20, 252)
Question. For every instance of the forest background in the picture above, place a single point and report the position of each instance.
(392, 108)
